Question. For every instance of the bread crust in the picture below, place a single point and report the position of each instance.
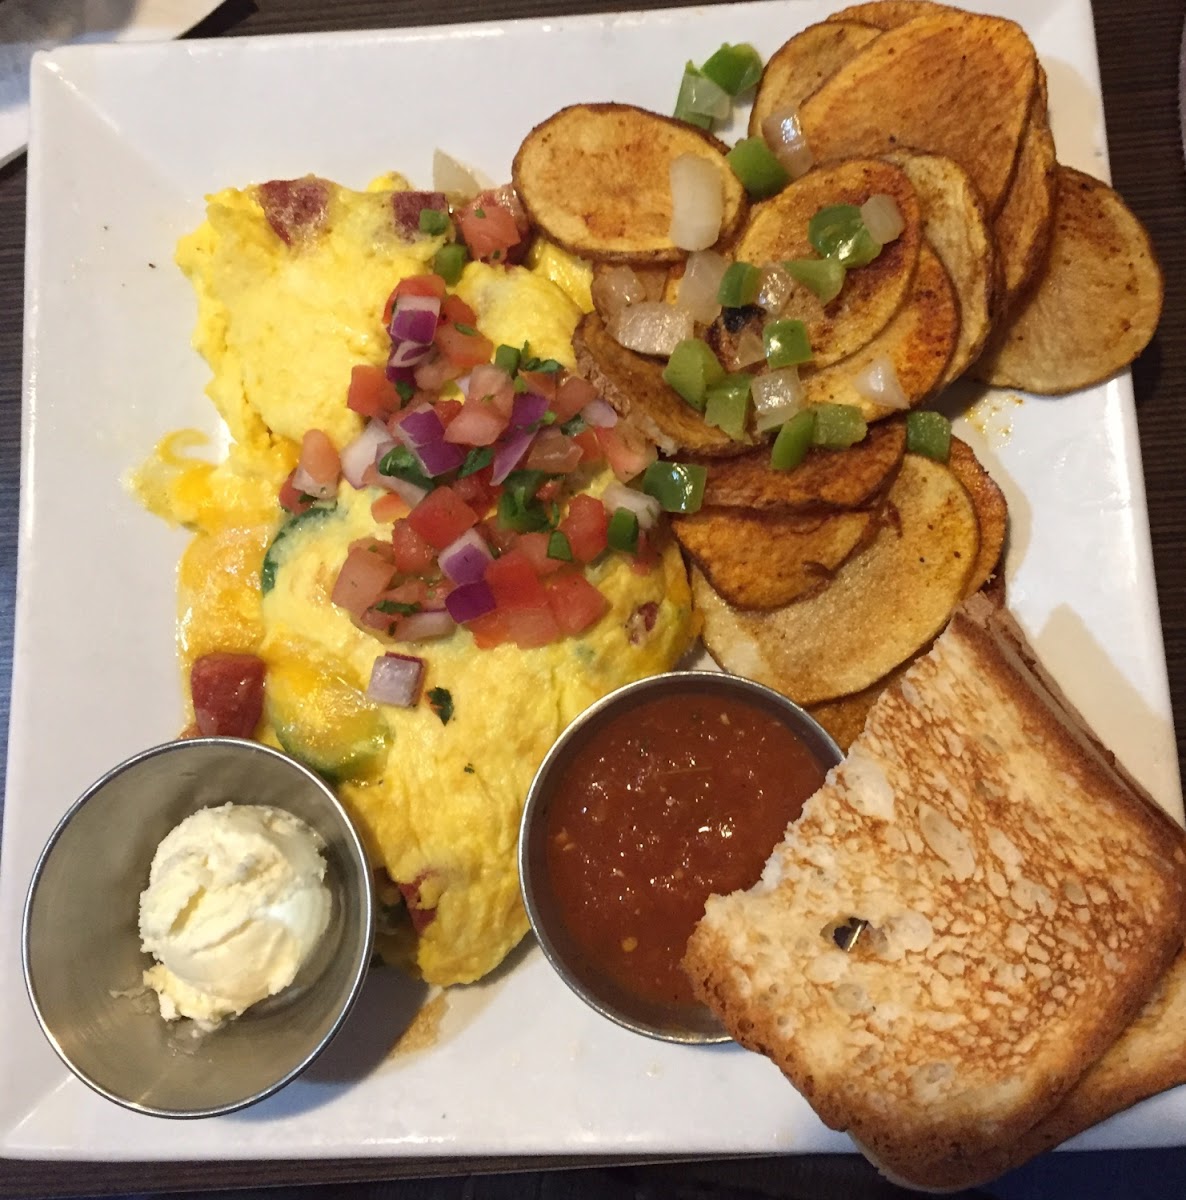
(1023, 900)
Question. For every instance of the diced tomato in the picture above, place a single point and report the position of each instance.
(292, 499)
(629, 451)
(434, 373)
(553, 452)
(361, 581)
(373, 546)
(228, 694)
(500, 539)
(591, 451)
(477, 490)
(646, 556)
(489, 630)
(462, 344)
(514, 582)
(478, 424)
(319, 458)
(488, 228)
(453, 308)
(535, 546)
(389, 508)
(571, 396)
(549, 490)
(576, 603)
(441, 517)
(410, 591)
(493, 385)
(412, 554)
(447, 410)
(371, 393)
(585, 527)
(542, 383)
(531, 627)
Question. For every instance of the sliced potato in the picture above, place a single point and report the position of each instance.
(952, 83)
(956, 227)
(825, 480)
(889, 14)
(1094, 306)
(992, 512)
(844, 717)
(881, 606)
(596, 179)
(762, 559)
(777, 230)
(1023, 227)
(919, 341)
(800, 65)
(635, 386)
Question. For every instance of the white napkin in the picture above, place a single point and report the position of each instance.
(27, 26)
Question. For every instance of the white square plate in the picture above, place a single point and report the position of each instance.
(126, 141)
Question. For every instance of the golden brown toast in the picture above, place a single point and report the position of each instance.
(1021, 899)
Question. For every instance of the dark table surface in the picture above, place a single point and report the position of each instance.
(1138, 49)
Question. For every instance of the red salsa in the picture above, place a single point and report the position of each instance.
(666, 803)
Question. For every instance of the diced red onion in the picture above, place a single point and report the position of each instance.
(527, 409)
(775, 289)
(651, 327)
(599, 414)
(697, 202)
(883, 218)
(645, 508)
(396, 679)
(470, 600)
(439, 457)
(419, 426)
(466, 558)
(405, 375)
(700, 283)
(879, 384)
(417, 325)
(424, 626)
(510, 453)
(450, 177)
(778, 396)
(784, 135)
(406, 354)
(368, 447)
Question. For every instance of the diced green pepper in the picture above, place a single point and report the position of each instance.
(507, 357)
(739, 285)
(786, 343)
(837, 231)
(734, 68)
(793, 441)
(685, 102)
(753, 162)
(622, 532)
(691, 368)
(929, 434)
(449, 261)
(727, 404)
(838, 425)
(559, 547)
(433, 221)
(679, 487)
(823, 276)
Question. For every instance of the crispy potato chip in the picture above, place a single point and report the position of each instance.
(761, 559)
(1095, 304)
(634, 385)
(881, 606)
(777, 230)
(800, 65)
(956, 227)
(952, 83)
(596, 179)
(992, 512)
(918, 341)
(825, 480)
(1023, 228)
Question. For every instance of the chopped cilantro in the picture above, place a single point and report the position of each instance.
(405, 390)
(475, 460)
(441, 701)
(401, 463)
(574, 425)
(469, 768)
(480, 213)
(392, 607)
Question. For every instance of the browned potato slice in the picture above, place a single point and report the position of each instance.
(952, 83)
(777, 230)
(800, 65)
(762, 559)
(919, 342)
(634, 385)
(1023, 227)
(596, 179)
(1095, 305)
(956, 227)
(992, 512)
(881, 606)
(825, 480)
(889, 14)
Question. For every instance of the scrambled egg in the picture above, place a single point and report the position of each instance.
(438, 801)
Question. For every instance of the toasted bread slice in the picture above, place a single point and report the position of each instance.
(1021, 898)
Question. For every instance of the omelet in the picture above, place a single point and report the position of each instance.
(436, 789)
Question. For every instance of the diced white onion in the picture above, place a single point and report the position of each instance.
(697, 202)
(784, 135)
(615, 288)
(748, 349)
(777, 396)
(645, 508)
(883, 218)
(775, 289)
(651, 327)
(599, 414)
(700, 283)
(450, 177)
(879, 384)
(365, 450)
(423, 626)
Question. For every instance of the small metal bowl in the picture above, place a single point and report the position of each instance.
(81, 943)
(690, 1024)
